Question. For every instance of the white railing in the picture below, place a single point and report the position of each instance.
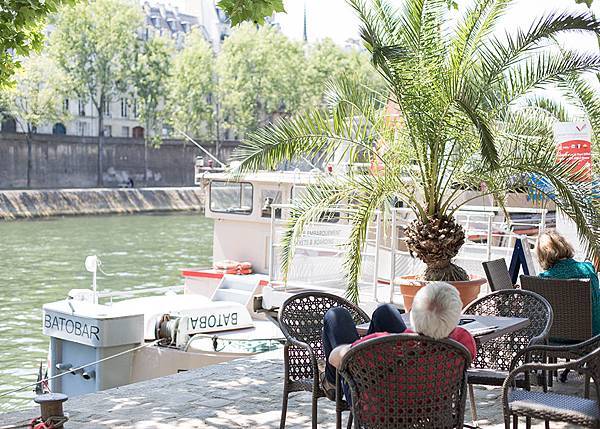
(320, 252)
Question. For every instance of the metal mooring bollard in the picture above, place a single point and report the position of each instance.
(51, 407)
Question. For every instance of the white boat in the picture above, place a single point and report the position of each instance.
(101, 340)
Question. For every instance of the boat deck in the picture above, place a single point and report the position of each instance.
(244, 393)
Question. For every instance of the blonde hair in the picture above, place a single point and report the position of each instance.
(552, 247)
(436, 310)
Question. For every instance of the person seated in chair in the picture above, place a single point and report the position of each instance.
(435, 313)
(555, 255)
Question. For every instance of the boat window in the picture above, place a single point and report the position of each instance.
(231, 197)
(328, 216)
(268, 197)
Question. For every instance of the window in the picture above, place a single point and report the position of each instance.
(81, 108)
(107, 131)
(125, 131)
(135, 108)
(268, 197)
(107, 108)
(155, 21)
(82, 128)
(66, 105)
(231, 197)
(124, 108)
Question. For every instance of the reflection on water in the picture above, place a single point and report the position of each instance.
(41, 260)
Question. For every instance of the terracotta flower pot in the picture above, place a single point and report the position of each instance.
(468, 289)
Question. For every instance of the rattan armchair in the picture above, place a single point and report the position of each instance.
(571, 301)
(407, 381)
(497, 275)
(492, 363)
(585, 359)
(301, 321)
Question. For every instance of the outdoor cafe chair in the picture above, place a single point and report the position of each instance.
(571, 301)
(549, 406)
(407, 381)
(497, 275)
(301, 321)
(494, 357)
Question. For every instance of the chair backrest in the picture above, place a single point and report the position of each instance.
(571, 301)
(497, 275)
(498, 353)
(407, 381)
(301, 317)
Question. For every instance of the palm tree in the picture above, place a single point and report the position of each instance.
(475, 106)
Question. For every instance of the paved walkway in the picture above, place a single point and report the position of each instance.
(237, 394)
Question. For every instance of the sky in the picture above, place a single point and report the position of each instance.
(335, 19)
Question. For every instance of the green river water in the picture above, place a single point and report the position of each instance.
(41, 260)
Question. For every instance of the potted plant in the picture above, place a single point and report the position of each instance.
(462, 109)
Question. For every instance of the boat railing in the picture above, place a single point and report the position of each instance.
(142, 291)
(490, 232)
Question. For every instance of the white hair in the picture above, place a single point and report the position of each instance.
(436, 310)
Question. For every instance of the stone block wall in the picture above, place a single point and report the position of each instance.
(61, 161)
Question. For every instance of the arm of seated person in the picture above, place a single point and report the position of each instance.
(337, 354)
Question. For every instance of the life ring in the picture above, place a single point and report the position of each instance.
(233, 267)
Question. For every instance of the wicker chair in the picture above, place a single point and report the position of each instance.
(497, 275)
(584, 358)
(407, 381)
(301, 321)
(492, 363)
(571, 301)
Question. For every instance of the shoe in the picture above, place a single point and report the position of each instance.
(327, 386)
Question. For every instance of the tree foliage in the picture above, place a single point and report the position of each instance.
(327, 61)
(21, 22)
(250, 10)
(468, 111)
(36, 98)
(94, 43)
(260, 77)
(150, 77)
(191, 88)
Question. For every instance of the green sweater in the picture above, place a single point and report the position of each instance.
(571, 269)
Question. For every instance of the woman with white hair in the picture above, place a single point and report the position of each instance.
(435, 313)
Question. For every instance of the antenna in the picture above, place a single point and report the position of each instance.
(91, 265)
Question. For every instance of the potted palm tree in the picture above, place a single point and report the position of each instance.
(470, 113)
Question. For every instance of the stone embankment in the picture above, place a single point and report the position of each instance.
(244, 393)
(71, 202)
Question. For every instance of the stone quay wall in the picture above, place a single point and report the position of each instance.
(73, 202)
(61, 161)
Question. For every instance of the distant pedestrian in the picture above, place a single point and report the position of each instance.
(130, 182)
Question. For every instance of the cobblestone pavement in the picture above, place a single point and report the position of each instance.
(237, 394)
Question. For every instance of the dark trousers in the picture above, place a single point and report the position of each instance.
(339, 329)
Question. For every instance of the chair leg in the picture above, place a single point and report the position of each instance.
(314, 410)
(528, 422)
(473, 406)
(547, 424)
(515, 422)
(506, 421)
(284, 408)
(586, 389)
(350, 418)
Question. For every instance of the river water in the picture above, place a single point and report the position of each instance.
(41, 260)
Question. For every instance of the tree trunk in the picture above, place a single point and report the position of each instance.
(100, 142)
(29, 161)
(146, 153)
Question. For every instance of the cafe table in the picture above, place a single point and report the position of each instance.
(483, 328)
